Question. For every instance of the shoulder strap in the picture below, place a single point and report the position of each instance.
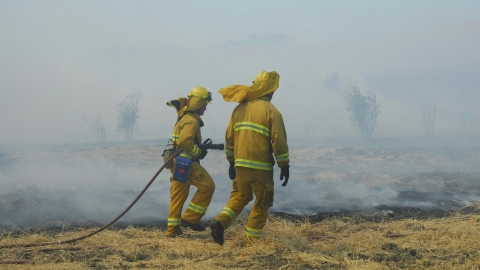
(200, 123)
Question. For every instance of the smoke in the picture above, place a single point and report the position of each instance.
(93, 186)
(42, 193)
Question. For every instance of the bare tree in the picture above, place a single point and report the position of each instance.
(128, 114)
(364, 110)
(429, 110)
(97, 128)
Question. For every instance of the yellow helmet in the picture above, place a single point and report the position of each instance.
(198, 97)
(200, 92)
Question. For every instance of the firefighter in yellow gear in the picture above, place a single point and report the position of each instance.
(254, 139)
(187, 136)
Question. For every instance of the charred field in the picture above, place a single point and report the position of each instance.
(345, 207)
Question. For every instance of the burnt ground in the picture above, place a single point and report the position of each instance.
(380, 213)
(385, 213)
(372, 184)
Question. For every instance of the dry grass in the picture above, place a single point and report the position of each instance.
(336, 243)
(341, 242)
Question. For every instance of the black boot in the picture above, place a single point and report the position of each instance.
(217, 232)
(195, 227)
(174, 231)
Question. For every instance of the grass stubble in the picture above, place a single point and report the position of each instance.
(335, 243)
(339, 242)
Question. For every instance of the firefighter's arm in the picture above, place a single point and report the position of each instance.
(278, 135)
(187, 135)
(229, 137)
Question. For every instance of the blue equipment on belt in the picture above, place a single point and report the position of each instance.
(182, 168)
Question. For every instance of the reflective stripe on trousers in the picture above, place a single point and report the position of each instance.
(173, 222)
(229, 212)
(197, 208)
(253, 232)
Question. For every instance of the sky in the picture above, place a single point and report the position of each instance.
(62, 62)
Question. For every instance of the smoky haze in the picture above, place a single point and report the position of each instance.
(92, 184)
(62, 63)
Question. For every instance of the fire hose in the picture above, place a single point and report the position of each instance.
(207, 144)
(106, 225)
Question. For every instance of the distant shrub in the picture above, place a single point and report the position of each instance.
(364, 110)
(128, 114)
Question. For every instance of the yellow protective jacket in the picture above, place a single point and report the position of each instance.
(187, 134)
(255, 132)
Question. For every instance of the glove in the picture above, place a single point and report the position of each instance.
(231, 171)
(203, 154)
(285, 173)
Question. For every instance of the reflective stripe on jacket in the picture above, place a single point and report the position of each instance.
(186, 133)
(255, 132)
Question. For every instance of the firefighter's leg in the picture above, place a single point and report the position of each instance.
(262, 186)
(239, 197)
(202, 180)
(178, 196)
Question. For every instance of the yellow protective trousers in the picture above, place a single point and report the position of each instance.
(199, 178)
(248, 182)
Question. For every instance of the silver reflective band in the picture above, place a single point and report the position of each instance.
(282, 157)
(253, 164)
(252, 126)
